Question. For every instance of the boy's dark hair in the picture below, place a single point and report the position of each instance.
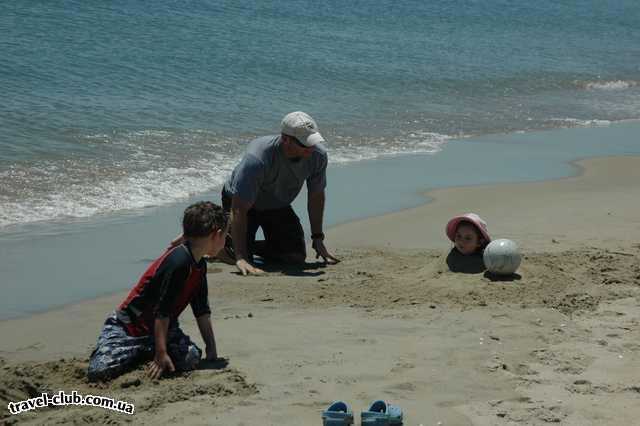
(202, 218)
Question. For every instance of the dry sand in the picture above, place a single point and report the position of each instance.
(558, 343)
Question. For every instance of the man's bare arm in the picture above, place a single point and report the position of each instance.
(315, 208)
(239, 210)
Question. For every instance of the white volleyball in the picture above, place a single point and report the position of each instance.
(502, 257)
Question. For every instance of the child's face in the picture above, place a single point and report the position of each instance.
(467, 240)
(216, 242)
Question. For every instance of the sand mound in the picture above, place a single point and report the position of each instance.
(28, 380)
(377, 280)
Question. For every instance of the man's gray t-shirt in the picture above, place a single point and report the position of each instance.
(269, 180)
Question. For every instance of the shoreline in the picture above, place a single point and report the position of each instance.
(342, 234)
(55, 226)
(12, 229)
(623, 172)
(113, 251)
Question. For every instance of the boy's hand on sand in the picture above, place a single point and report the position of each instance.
(160, 364)
(321, 251)
(218, 363)
(212, 354)
(246, 268)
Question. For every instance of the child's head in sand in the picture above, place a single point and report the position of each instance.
(468, 232)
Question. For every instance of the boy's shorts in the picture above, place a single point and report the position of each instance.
(282, 230)
(118, 352)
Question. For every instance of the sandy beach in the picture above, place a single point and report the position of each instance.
(557, 343)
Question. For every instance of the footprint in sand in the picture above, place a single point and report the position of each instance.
(570, 369)
(544, 356)
(565, 363)
(346, 380)
(634, 347)
(524, 370)
(532, 414)
(402, 366)
(405, 387)
(527, 411)
(495, 364)
(583, 387)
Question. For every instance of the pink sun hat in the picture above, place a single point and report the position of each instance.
(468, 217)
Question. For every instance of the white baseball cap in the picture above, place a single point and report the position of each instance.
(302, 127)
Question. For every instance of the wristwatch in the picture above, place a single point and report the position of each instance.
(317, 236)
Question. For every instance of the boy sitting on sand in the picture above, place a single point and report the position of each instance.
(469, 234)
(145, 325)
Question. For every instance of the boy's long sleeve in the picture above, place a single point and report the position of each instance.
(200, 303)
(171, 285)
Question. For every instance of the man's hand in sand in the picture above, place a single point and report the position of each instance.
(321, 251)
(160, 364)
(246, 268)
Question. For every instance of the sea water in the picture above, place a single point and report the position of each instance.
(114, 106)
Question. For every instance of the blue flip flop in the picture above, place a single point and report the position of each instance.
(382, 414)
(338, 414)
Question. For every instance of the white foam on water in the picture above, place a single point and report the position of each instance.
(346, 150)
(151, 168)
(575, 122)
(139, 190)
(146, 168)
(610, 85)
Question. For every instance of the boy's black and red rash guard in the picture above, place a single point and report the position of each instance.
(171, 282)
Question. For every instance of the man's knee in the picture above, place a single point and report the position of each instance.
(294, 258)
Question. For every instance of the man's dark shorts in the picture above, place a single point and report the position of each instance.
(282, 230)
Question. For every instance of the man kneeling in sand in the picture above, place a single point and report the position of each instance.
(145, 326)
(262, 188)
